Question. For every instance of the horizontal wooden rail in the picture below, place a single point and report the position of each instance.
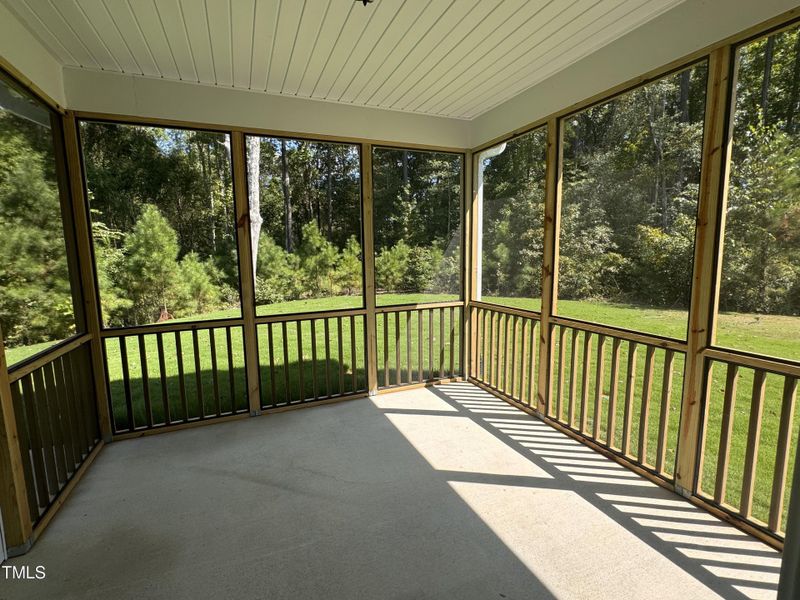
(617, 390)
(417, 306)
(292, 317)
(56, 423)
(47, 357)
(419, 343)
(520, 312)
(749, 438)
(169, 326)
(764, 363)
(620, 333)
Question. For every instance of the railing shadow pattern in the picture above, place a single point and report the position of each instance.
(725, 559)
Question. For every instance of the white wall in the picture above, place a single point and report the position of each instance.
(107, 92)
(26, 54)
(688, 27)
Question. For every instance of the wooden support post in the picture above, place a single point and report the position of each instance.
(552, 218)
(247, 285)
(368, 224)
(13, 493)
(90, 296)
(707, 257)
(789, 582)
(471, 224)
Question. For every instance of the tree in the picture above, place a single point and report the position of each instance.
(150, 270)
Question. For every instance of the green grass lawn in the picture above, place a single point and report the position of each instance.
(301, 367)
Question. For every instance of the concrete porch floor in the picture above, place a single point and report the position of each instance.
(444, 492)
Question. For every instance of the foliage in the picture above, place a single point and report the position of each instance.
(35, 295)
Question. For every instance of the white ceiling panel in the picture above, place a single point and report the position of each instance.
(455, 58)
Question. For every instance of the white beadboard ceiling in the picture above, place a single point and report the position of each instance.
(452, 58)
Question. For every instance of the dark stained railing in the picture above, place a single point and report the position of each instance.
(311, 358)
(188, 373)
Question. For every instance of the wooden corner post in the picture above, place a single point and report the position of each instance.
(246, 280)
(90, 296)
(552, 219)
(371, 323)
(707, 258)
(470, 270)
(13, 492)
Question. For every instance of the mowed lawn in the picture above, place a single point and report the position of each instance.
(327, 371)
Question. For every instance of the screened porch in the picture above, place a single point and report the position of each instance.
(531, 272)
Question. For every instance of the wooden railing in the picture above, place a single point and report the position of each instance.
(56, 419)
(619, 389)
(507, 342)
(419, 343)
(311, 357)
(174, 374)
(749, 438)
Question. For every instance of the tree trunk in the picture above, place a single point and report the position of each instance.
(287, 201)
(254, 195)
(684, 97)
(768, 55)
(794, 93)
(330, 194)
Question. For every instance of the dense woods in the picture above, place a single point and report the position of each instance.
(417, 204)
(35, 296)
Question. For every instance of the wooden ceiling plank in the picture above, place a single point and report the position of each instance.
(328, 38)
(428, 47)
(266, 19)
(41, 32)
(84, 30)
(242, 34)
(288, 23)
(422, 28)
(308, 34)
(357, 22)
(193, 14)
(51, 20)
(405, 24)
(561, 52)
(368, 48)
(218, 14)
(152, 30)
(174, 29)
(500, 15)
(526, 27)
(101, 21)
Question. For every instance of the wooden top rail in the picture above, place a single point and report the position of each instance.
(310, 316)
(169, 327)
(47, 357)
(419, 306)
(623, 334)
(763, 363)
(520, 312)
